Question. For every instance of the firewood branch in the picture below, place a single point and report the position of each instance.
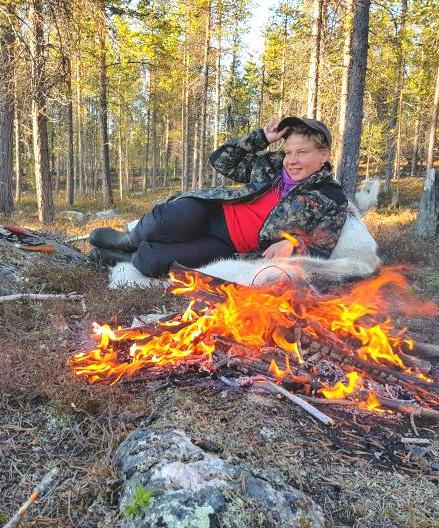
(306, 406)
(36, 493)
(41, 297)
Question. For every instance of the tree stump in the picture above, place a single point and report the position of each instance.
(428, 216)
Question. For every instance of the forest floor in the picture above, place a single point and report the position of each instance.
(359, 472)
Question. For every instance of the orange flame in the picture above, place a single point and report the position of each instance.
(371, 404)
(253, 317)
(340, 390)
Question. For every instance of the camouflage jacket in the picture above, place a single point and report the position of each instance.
(315, 209)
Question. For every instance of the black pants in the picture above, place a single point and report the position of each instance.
(189, 231)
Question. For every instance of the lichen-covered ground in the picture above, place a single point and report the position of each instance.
(359, 472)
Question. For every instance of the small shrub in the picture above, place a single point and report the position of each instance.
(140, 501)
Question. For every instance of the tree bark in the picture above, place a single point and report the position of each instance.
(17, 150)
(166, 153)
(203, 121)
(46, 212)
(6, 118)
(107, 191)
(185, 122)
(283, 64)
(347, 58)
(217, 91)
(415, 147)
(427, 223)
(433, 125)
(395, 111)
(313, 76)
(82, 179)
(348, 165)
(70, 143)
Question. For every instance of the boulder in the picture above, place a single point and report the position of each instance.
(191, 488)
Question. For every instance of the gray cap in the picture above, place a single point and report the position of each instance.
(311, 123)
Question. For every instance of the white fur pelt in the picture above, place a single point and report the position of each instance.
(355, 255)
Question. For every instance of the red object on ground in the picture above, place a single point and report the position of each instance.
(16, 229)
(244, 220)
(39, 249)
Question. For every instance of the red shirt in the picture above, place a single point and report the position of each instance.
(244, 220)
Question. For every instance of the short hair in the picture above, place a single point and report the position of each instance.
(303, 130)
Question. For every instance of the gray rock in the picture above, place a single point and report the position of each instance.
(196, 489)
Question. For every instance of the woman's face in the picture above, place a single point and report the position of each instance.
(303, 157)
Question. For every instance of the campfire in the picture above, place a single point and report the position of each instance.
(340, 347)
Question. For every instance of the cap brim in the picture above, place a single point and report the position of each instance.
(289, 122)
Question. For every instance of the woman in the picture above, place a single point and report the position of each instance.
(289, 191)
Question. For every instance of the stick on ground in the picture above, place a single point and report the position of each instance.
(36, 492)
(310, 409)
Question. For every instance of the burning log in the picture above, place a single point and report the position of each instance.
(408, 407)
(346, 355)
(421, 365)
(402, 406)
(423, 350)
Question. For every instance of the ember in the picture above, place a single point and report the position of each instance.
(281, 331)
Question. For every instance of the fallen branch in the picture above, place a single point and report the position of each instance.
(41, 297)
(306, 406)
(36, 493)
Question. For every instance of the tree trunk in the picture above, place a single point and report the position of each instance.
(217, 94)
(107, 191)
(313, 76)
(433, 125)
(427, 223)
(348, 164)
(6, 118)
(397, 102)
(195, 155)
(119, 155)
(17, 149)
(347, 58)
(282, 71)
(82, 179)
(46, 212)
(203, 122)
(154, 146)
(261, 94)
(167, 153)
(70, 143)
(415, 146)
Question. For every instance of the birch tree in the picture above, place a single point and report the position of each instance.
(45, 205)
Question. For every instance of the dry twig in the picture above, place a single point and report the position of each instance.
(36, 493)
(310, 409)
(44, 297)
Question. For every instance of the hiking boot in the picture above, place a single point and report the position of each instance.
(109, 238)
(109, 257)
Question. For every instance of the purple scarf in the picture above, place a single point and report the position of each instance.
(286, 183)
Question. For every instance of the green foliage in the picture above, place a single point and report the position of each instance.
(141, 500)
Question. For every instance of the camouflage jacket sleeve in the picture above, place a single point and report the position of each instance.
(236, 158)
(312, 216)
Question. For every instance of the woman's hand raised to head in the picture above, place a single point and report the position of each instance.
(271, 132)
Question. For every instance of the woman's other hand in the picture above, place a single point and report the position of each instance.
(271, 132)
(283, 248)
